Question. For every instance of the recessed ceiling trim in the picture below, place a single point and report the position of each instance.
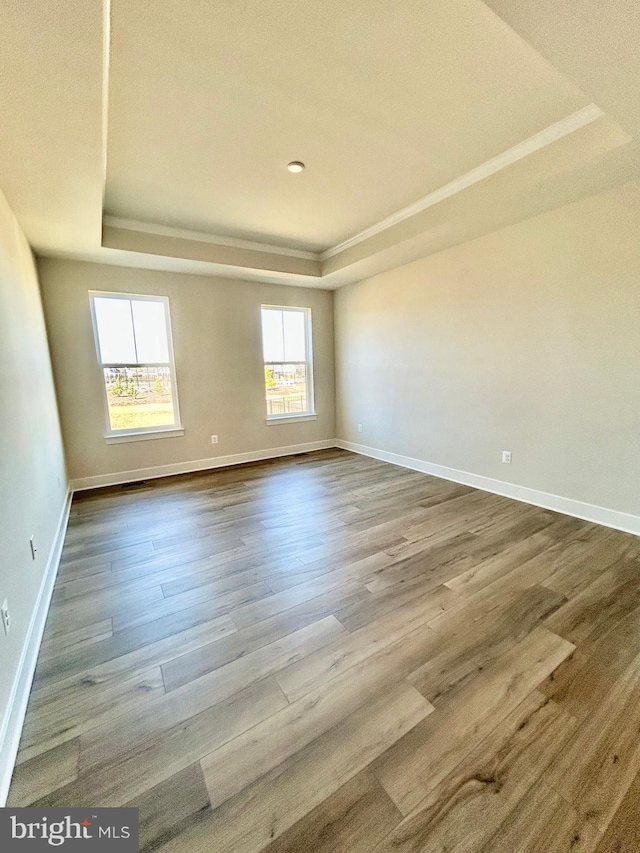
(204, 237)
(106, 56)
(545, 137)
(542, 139)
(147, 243)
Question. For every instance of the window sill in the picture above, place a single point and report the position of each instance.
(122, 437)
(291, 419)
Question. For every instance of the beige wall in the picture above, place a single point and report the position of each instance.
(32, 474)
(218, 353)
(527, 340)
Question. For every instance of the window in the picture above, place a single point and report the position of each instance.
(288, 375)
(133, 342)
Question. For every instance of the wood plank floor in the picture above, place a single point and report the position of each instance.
(328, 653)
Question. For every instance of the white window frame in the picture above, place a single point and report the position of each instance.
(288, 417)
(141, 433)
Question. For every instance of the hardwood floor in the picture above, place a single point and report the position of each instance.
(328, 653)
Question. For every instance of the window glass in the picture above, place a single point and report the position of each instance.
(115, 331)
(287, 367)
(295, 348)
(134, 350)
(150, 331)
(272, 335)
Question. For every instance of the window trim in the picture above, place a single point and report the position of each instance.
(310, 412)
(290, 418)
(117, 436)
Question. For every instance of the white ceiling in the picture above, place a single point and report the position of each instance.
(384, 102)
(422, 125)
(51, 119)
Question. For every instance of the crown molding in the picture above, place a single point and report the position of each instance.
(539, 140)
(205, 237)
(106, 59)
(542, 139)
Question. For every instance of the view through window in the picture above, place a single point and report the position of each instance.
(134, 351)
(286, 344)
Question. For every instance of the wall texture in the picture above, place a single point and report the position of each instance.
(527, 340)
(33, 482)
(218, 353)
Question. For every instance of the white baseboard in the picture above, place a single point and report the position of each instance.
(578, 509)
(197, 465)
(11, 727)
(567, 506)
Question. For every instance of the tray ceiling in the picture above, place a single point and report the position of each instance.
(159, 134)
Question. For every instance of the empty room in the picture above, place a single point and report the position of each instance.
(320, 426)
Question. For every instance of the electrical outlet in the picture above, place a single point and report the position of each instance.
(506, 456)
(359, 427)
(6, 616)
(32, 545)
(214, 439)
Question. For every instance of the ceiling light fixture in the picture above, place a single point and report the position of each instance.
(296, 166)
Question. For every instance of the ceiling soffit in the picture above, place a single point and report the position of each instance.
(53, 146)
(482, 199)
